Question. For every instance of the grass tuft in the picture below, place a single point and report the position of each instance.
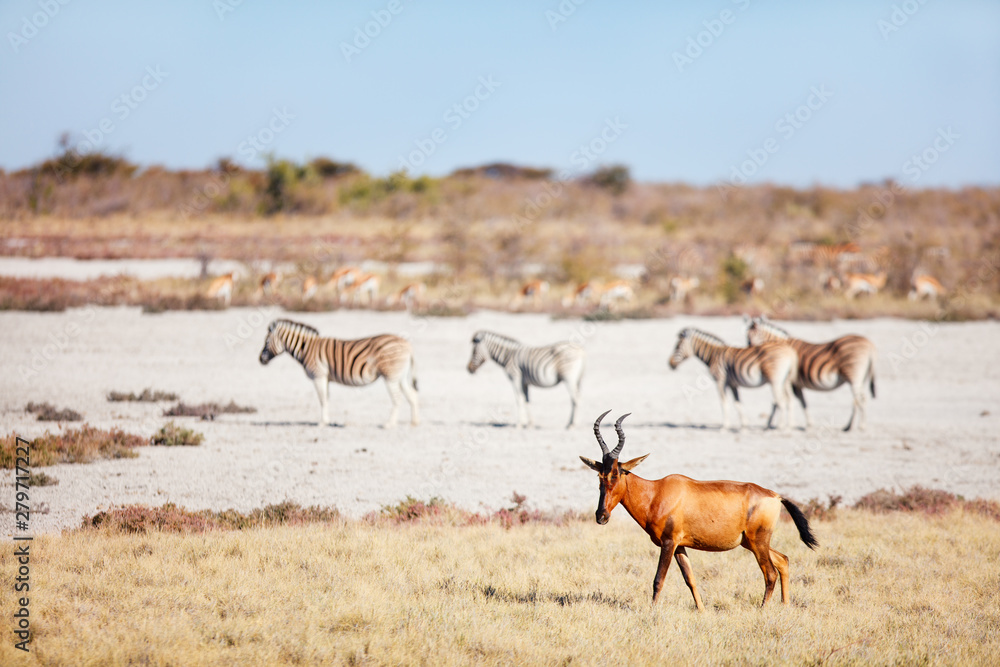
(41, 479)
(47, 412)
(172, 435)
(146, 396)
(207, 410)
(81, 445)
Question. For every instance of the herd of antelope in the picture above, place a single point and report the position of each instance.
(838, 269)
(677, 512)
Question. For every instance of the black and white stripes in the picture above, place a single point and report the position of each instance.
(353, 363)
(531, 367)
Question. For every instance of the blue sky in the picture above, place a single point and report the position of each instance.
(880, 93)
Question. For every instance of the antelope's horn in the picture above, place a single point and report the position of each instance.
(621, 436)
(597, 433)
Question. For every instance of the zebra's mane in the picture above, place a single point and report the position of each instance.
(294, 326)
(773, 329)
(691, 332)
(481, 334)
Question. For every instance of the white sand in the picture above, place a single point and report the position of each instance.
(935, 422)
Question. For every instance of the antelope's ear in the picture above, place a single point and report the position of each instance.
(591, 463)
(628, 465)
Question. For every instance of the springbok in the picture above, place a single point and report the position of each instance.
(864, 283)
(532, 291)
(268, 283)
(678, 512)
(681, 287)
(222, 288)
(926, 287)
(410, 296)
(309, 287)
(615, 292)
(367, 284)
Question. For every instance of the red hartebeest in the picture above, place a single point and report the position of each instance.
(679, 512)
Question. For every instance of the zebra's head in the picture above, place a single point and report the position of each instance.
(478, 353)
(683, 349)
(610, 473)
(273, 345)
(762, 331)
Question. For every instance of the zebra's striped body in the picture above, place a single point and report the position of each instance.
(531, 367)
(825, 366)
(732, 367)
(354, 363)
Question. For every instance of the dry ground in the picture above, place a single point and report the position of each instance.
(896, 589)
(935, 420)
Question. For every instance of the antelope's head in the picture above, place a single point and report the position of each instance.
(273, 345)
(478, 354)
(610, 473)
(683, 350)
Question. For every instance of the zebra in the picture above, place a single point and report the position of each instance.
(531, 367)
(354, 363)
(733, 367)
(825, 366)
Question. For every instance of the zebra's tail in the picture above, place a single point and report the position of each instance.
(871, 374)
(413, 372)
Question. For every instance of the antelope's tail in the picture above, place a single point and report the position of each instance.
(801, 523)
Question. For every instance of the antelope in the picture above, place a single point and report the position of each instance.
(681, 287)
(533, 291)
(864, 283)
(268, 283)
(410, 296)
(752, 286)
(309, 287)
(367, 283)
(678, 512)
(614, 292)
(343, 278)
(222, 288)
(582, 295)
(926, 287)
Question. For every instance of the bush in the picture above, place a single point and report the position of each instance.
(170, 518)
(41, 479)
(615, 179)
(48, 413)
(207, 410)
(327, 168)
(74, 446)
(147, 396)
(172, 435)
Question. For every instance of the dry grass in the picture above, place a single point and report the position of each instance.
(46, 412)
(207, 410)
(81, 445)
(172, 435)
(884, 589)
(147, 395)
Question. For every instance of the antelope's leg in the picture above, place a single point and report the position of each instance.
(760, 546)
(666, 554)
(685, 565)
(322, 384)
(780, 561)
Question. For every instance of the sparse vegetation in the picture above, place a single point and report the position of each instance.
(926, 501)
(207, 410)
(423, 591)
(172, 435)
(46, 412)
(147, 395)
(41, 479)
(81, 445)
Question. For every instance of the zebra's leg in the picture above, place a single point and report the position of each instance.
(322, 384)
(394, 391)
(518, 398)
(797, 390)
(527, 411)
(722, 399)
(411, 396)
(858, 409)
(738, 406)
(573, 384)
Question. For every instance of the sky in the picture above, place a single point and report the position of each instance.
(794, 93)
